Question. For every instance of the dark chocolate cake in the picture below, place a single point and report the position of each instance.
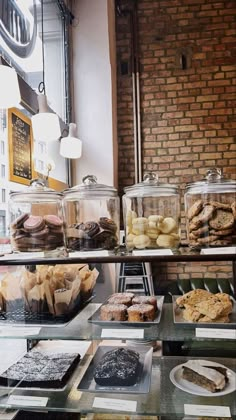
(117, 367)
(37, 369)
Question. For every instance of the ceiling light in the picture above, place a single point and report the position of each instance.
(9, 87)
(71, 146)
(45, 124)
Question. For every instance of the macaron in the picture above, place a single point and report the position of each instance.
(53, 221)
(34, 223)
(141, 241)
(19, 221)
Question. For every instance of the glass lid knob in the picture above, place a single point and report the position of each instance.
(213, 174)
(89, 179)
(150, 177)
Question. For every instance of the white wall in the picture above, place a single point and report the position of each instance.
(93, 90)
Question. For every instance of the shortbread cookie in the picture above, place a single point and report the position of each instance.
(222, 219)
(193, 297)
(168, 225)
(195, 209)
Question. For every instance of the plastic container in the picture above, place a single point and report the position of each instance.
(36, 219)
(210, 208)
(151, 214)
(92, 218)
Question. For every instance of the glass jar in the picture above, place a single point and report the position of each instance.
(92, 218)
(36, 219)
(210, 208)
(151, 214)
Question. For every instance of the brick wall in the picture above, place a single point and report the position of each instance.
(187, 114)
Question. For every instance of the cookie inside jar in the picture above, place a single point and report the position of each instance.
(210, 209)
(151, 214)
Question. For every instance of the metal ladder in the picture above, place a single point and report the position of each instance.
(135, 278)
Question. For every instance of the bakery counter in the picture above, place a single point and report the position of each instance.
(87, 326)
(167, 396)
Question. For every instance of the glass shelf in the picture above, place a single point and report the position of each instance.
(163, 398)
(181, 255)
(80, 329)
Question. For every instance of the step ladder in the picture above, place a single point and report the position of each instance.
(135, 278)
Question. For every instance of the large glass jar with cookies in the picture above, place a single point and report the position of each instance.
(36, 219)
(151, 214)
(210, 207)
(92, 218)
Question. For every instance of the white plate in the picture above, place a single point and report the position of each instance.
(177, 380)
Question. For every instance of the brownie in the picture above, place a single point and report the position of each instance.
(118, 367)
(36, 369)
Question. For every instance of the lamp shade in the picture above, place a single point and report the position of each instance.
(71, 146)
(9, 87)
(45, 124)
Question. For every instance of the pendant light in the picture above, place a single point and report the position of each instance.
(9, 87)
(71, 146)
(45, 124)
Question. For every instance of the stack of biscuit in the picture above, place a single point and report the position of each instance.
(202, 306)
(211, 223)
(50, 289)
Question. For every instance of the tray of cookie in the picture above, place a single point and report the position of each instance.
(128, 308)
(201, 307)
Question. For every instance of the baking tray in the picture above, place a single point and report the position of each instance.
(179, 319)
(142, 385)
(22, 317)
(95, 318)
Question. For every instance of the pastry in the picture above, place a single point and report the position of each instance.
(108, 224)
(168, 225)
(212, 378)
(151, 300)
(88, 229)
(113, 312)
(118, 367)
(195, 209)
(193, 297)
(141, 241)
(191, 314)
(124, 298)
(166, 241)
(222, 220)
(213, 307)
(37, 369)
(141, 312)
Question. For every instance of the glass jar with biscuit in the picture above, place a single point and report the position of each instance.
(151, 212)
(210, 209)
(92, 216)
(36, 219)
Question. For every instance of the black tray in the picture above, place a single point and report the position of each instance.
(21, 316)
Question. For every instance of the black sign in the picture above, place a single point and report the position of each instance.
(20, 147)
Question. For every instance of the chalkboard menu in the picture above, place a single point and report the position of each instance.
(20, 147)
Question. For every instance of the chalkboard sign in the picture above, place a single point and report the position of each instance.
(20, 147)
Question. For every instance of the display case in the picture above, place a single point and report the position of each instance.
(160, 391)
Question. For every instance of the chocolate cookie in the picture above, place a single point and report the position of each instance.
(34, 223)
(233, 208)
(206, 214)
(195, 209)
(222, 220)
(200, 231)
(19, 222)
(223, 232)
(89, 229)
(221, 242)
(207, 239)
(108, 224)
(219, 205)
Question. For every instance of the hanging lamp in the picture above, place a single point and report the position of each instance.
(45, 124)
(9, 87)
(71, 146)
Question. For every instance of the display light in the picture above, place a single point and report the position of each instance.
(71, 146)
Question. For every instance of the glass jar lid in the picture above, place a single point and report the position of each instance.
(214, 181)
(90, 188)
(150, 187)
(37, 190)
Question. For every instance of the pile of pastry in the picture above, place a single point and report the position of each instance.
(202, 306)
(151, 232)
(55, 289)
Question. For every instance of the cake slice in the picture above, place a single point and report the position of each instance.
(212, 378)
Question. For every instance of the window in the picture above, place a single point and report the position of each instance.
(3, 171)
(2, 148)
(3, 195)
(2, 223)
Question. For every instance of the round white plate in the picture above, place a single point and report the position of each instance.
(179, 382)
